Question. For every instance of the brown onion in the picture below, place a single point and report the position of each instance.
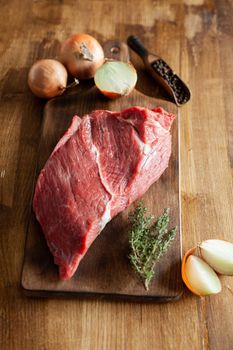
(82, 55)
(47, 78)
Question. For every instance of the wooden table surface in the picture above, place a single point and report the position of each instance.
(195, 37)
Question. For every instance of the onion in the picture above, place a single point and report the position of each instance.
(47, 78)
(198, 276)
(218, 254)
(82, 55)
(115, 78)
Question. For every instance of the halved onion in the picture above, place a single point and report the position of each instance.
(218, 254)
(115, 78)
(198, 276)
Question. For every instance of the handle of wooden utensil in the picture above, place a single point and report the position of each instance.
(116, 50)
(136, 45)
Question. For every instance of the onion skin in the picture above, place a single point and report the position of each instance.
(76, 65)
(47, 78)
(111, 95)
(183, 270)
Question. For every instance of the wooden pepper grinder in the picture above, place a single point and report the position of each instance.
(161, 72)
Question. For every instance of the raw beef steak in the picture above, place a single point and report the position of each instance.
(104, 162)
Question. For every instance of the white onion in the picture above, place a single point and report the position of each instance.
(218, 254)
(201, 277)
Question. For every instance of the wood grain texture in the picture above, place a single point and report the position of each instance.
(194, 37)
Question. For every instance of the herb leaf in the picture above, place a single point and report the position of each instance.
(148, 241)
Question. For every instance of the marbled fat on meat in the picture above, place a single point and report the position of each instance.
(104, 162)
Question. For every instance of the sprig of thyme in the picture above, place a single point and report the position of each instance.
(149, 240)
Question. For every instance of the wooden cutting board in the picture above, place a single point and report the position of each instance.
(105, 270)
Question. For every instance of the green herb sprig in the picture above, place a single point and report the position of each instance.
(148, 241)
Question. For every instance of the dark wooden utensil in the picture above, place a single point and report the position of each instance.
(161, 72)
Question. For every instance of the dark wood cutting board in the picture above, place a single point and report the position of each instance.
(105, 270)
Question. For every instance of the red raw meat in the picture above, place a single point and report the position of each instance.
(103, 163)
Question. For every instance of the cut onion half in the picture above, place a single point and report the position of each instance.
(198, 276)
(116, 78)
(219, 255)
